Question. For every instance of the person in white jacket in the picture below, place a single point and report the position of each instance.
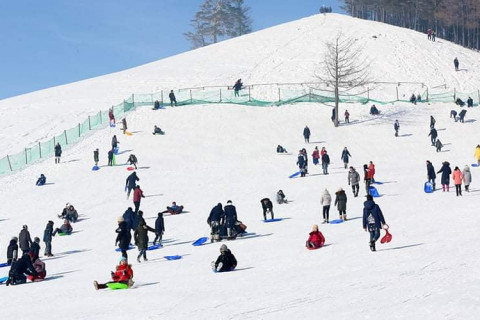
(326, 200)
(467, 178)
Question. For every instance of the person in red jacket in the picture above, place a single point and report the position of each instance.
(137, 196)
(122, 274)
(316, 239)
(371, 172)
(315, 156)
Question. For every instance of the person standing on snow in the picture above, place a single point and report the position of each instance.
(141, 237)
(347, 116)
(173, 99)
(95, 156)
(433, 135)
(123, 236)
(326, 201)
(47, 238)
(477, 154)
(114, 142)
(341, 203)
(315, 156)
(237, 87)
(354, 180)
(12, 251)
(124, 125)
(214, 221)
(467, 177)
(371, 172)
(457, 177)
(58, 152)
(456, 63)
(159, 229)
(432, 122)
(267, 206)
(431, 174)
(302, 163)
(131, 182)
(306, 134)
(396, 126)
(24, 240)
(367, 178)
(345, 157)
(373, 220)
(325, 162)
(446, 171)
(230, 218)
(137, 197)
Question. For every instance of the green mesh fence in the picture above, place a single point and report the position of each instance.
(253, 95)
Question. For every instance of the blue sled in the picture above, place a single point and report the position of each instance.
(154, 247)
(2, 280)
(173, 257)
(200, 241)
(336, 221)
(130, 247)
(474, 164)
(95, 168)
(428, 187)
(373, 192)
(273, 220)
(3, 265)
(115, 150)
(295, 174)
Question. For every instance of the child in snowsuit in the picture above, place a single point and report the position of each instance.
(159, 229)
(446, 171)
(316, 239)
(42, 180)
(226, 261)
(123, 274)
(267, 206)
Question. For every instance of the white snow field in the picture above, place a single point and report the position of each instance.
(215, 153)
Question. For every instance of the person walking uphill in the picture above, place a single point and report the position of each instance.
(446, 171)
(24, 240)
(123, 236)
(433, 135)
(431, 174)
(141, 237)
(354, 180)
(137, 196)
(341, 203)
(58, 152)
(306, 134)
(326, 201)
(467, 177)
(373, 220)
(456, 64)
(131, 182)
(345, 157)
(457, 179)
(159, 229)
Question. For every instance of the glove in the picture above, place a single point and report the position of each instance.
(112, 273)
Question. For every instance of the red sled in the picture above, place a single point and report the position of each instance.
(130, 168)
(387, 237)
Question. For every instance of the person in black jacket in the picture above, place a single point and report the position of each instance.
(12, 251)
(110, 157)
(95, 156)
(35, 248)
(432, 122)
(456, 63)
(159, 229)
(373, 220)
(47, 238)
(306, 134)
(124, 236)
(325, 162)
(131, 182)
(24, 239)
(58, 152)
(115, 142)
(433, 135)
(446, 172)
(431, 174)
(302, 163)
(18, 270)
(345, 157)
(226, 261)
(217, 215)
(172, 98)
(469, 102)
(132, 159)
(129, 218)
(230, 219)
(267, 206)
(237, 87)
(42, 180)
(396, 127)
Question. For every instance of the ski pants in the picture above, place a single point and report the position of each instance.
(355, 188)
(48, 247)
(137, 206)
(326, 212)
(374, 234)
(325, 167)
(142, 253)
(458, 189)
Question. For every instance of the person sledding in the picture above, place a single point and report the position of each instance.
(69, 213)
(267, 207)
(65, 228)
(174, 209)
(281, 198)
(373, 220)
(41, 181)
(39, 266)
(123, 274)
(21, 268)
(315, 239)
(157, 130)
(281, 149)
(132, 160)
(226, 261)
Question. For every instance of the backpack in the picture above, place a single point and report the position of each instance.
(371, 222)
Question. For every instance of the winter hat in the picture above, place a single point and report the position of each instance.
(15, 238)
(122, 259)
(229, 201)
(223, 248)
(36, 239)
(140, 213)
(120, 219)
(467, 168)
(50, 222)
(339, 189)
(25, 227)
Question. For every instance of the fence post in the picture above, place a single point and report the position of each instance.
(89, 125)
(279, 95)
(9, 164)
(79, 128)
(124, 106)
(191, 100)
(220, 94)
(162, 96)
(478, 92)
(310, 95)
(368, 94)
(133, 100)
(427, 94)
(397, 92)
(40, 149)
(26, 159)
(66, 139)
(100, 116)
(54, 141)
(249, 94)
(454, 93)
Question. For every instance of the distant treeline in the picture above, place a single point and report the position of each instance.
(454, 20)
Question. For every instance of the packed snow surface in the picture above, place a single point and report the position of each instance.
(215, 153)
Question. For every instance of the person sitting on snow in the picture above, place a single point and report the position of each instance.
(69, 213)
(374, 111)
(413, 99)
(174, 209)
(459, 102)
(39, 266)
(41, 181)
(21, 267)
(281, 197)
(226, 261)
(65, 228)
(281, 149)
(316, 239)
(123, 274)
(157, 130)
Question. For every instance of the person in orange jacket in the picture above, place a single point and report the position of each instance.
(316, 239)
(123, 274)
(457, 179)
(371, 171)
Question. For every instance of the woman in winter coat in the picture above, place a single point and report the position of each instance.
(467, 177)
(345, 157)
(141, 237)
(124, 236)
(341, 203)
(316, 239)
(315, 156)
(446, 172)
(457, 179)
(326, 200)
(431, 174)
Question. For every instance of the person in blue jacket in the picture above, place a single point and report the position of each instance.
(129, 217)
(345, 157)
(159, 229)
(131, 182)
(42, 180)
(446, 172)
(373, 220)
(431, 174)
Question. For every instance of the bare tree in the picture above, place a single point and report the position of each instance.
(345, 69)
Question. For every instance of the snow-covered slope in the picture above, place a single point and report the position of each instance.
(216, 153)
(289, 52)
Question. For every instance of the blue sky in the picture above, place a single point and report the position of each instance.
(48, 43)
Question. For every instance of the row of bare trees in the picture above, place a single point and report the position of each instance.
(454, 20)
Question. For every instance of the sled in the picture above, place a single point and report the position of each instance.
(295, 174)
(173, 257)
(273, 220)
(115, 150)
(387, 237)
(117, 285)
(3, 265)
(337, 221)
(112, 125)
(154, 247)
(377, 182)
(2, 280)
(373, 192)
(130, 168)
(310, 248)
(474, 164)
(129, 248)
(64, 234)
(200, 241)
(428, 187)
(114, 160)
(128, 133)
(95, 168)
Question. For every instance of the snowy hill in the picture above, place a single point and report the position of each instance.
(214, 153)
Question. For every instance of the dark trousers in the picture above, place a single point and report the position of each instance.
(374, 235)
(368, 182)
(432, 181)
(158, 236)
(355, 188)
(265, 211)
(137, 205)
(458, 189)
(124, 254)
(326, 212)
(433, 140)
(48, 247)
(142, 252)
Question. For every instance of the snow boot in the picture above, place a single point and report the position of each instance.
(372, 245)
(95, 284)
